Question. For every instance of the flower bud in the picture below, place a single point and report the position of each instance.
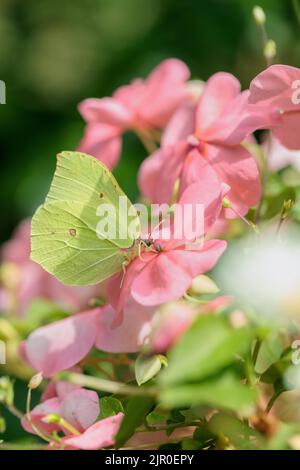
(35, 381)
(270, 49)
(226, 203)
(203, 285)
(259, 15)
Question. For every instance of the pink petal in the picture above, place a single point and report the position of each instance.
(62, 344)
(236, 167)
(279, 156)
(17, 249)
(154, 439)
(152, 175)
(32, 284)
(130, 336)
(275, 86)
(103, 142)
(288, 133)
(174, 319)
(80, 408)
(217, 95)
(58, 389)
(240, 119)
(119, 286)
(217, 304)
(105, 111)
(201, 185)
(180, 126)
(131, 96)
(99, 435)
(165, 91)
(170, 274)
(40, 411)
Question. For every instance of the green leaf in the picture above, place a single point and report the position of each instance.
(270, 351)
(110, 406)
(155, 417)
(226, 391)
(276, 371)
(40, 312)
(146, 367)
(136, 411)
(190, 444)
(238, 432)
(272, 204)
(209, 345)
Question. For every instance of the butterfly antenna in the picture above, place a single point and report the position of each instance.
(156, 227)
(124, 264)
(140, 250)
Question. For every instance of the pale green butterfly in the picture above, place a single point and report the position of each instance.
(65, 239)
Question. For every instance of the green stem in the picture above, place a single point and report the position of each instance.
(109, 386)
(65, 424)
(264, 180)
(272, 401)
(28, 417)
(250, 372)
(147, 141)
(264, 42)
(14, 411)
(30, 446)
(256, 351)
(168, 427)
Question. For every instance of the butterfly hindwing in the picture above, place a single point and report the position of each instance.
(64, 241)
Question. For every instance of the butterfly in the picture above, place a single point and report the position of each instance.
(65, 236)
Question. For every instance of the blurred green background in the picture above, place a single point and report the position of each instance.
(54, 53)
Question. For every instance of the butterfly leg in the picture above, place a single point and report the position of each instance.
(142, 243)
(124, 265)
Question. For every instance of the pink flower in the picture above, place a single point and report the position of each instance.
(279, 86)
(279, 156)
(166, 272)
(79, 407)
(99, 435)
(172, 321)
(210, 133)
(64, 343)
(142, 106)
(29, 281)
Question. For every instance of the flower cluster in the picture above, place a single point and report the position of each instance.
(200, 148)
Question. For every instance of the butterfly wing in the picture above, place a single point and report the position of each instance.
(67, 236)
(64, 241)
(84, 179)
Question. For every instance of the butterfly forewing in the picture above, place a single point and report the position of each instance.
(81, 178)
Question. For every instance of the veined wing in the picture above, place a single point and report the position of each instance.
(84, 179)
(64, 241)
